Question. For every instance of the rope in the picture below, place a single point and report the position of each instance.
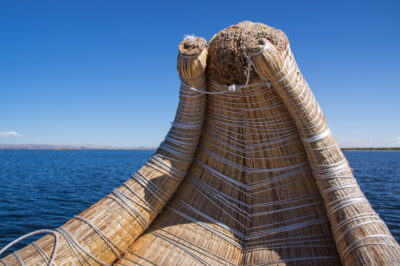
(74, 244)
(229, 131)
(38, 232)
(41, 252)
(112, 245)
(193, 107)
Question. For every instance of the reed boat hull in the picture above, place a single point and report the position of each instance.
(248, 174)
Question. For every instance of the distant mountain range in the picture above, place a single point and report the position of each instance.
(68, 147)
(104, 147)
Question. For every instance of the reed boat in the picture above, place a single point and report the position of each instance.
(248, 174)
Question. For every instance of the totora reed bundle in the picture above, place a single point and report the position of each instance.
(249, 174)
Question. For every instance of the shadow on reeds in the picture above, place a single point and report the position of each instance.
(167, 219)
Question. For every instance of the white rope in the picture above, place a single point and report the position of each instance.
(357, 244)
(38, 232)
(334, 188)
(19, 259)
(197, 248)
(180, 246)
(77, 246)
(41, 252)
(138, 215)
(149, 207)
(117, 251)
(249, 149)
(349, 229)
(237, 211)
(248, 169)
(225, 199)
(140, 257)
(229, 131)
(354, 218)
(188, 118)
(249, 236)
(298, 259)
(228, 238)
(149, 186)
(317, 137)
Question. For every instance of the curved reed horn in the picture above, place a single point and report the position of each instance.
(103, 232)
(267, 182)
(361, 237)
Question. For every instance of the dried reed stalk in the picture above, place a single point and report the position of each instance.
(361, 237)
(267, 184)
(186, 239)
(111, 215)
(180, 234)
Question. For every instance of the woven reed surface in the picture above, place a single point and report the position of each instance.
(265, 185)
(148, 193)
(265, 218)
(361, 237)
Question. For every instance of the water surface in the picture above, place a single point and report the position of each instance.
(45, 188)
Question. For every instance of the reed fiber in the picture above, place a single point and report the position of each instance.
(253, 176)
(122, 216)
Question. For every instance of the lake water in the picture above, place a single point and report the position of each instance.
(43, 189)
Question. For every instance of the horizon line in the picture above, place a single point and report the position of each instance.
(33, 146)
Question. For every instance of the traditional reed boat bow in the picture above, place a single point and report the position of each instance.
(249, 174)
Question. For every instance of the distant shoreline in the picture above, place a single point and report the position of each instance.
(121, 149)
(372, 149)
(140, 148)
(68, 147)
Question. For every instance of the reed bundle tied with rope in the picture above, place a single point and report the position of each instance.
(249, 174)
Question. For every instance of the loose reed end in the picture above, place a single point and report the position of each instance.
(192, 45)
(192, 60)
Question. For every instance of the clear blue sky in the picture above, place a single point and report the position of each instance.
(104, 72)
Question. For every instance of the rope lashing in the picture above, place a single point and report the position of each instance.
(190, 112)
(73, 243)
(38, 232)
(231, 131)
(234, 88)
(76, 246)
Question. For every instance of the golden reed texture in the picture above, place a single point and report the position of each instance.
(253, 176)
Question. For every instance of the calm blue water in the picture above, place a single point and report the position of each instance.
(378, 174)
(43, 189)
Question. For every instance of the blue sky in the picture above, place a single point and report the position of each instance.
(104, 72)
